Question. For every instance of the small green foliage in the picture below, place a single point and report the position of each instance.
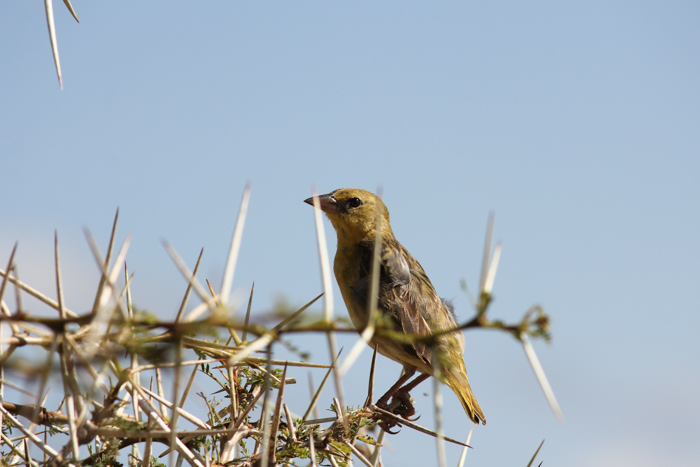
(244, 448)
(156, 463)
(107, 456)
(257, 377)
(7, 426)
(290, 450)
(538, 323)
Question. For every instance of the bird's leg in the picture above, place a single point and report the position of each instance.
(401, 402)
(410, 386)
(383, 401)
(402, 397)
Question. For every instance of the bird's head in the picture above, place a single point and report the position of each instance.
(354, 213)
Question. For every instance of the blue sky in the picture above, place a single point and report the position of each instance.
(576, 123)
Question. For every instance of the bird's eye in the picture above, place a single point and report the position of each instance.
(354, 202)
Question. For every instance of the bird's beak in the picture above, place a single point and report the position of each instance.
(328, 204)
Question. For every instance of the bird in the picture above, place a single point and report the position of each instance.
(406, 299)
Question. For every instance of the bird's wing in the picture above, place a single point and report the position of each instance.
(415, 303)
(405, 295)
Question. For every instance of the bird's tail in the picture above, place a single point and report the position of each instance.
(456, 379)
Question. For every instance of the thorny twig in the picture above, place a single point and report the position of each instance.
(106, 378)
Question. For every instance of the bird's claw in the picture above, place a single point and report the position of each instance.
(388, 425)
(386, 422)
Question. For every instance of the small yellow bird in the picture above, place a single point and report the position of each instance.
(405, 296)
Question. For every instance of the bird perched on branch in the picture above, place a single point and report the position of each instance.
(405, 298)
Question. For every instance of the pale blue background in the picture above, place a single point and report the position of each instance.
(576, 122)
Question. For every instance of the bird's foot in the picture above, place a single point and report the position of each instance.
(400, 404)
(386, 421)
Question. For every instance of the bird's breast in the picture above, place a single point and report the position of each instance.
(351, 268)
